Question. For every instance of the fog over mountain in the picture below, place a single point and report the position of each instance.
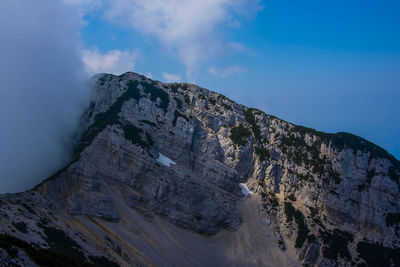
(42, 90)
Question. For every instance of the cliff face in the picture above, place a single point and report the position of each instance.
(167, 155)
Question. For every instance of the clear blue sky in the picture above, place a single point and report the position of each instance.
(330, 65)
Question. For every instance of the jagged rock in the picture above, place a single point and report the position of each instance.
(330, 197)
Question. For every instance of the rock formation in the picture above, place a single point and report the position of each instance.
(154, 180)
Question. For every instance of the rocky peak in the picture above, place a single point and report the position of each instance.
(331, 199)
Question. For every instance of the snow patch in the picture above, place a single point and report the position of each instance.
(245, 189)
(165, 160)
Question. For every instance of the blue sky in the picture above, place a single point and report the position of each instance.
(329, 65)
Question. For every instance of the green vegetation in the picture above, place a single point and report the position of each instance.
(149, 140)
(262, 153)
(274, 200)
(293, 141)
(370, 175)
(212, 101)
(317, 164)
(132, 92)
(102, 120)
(176, 115)
(291, 197)
(133, 134)
(250, 118)
(187, 100)
(226, 106)
(314, 211)
(340, 140)
(334, 192)
(239, 135)
(394, 170)
(392, 219)
(307, 178)
(184, 86)
(311, 238)
(109, 117)
(179, 103)
(361, 188)
(336, 244)
(336, 177)
(155, 92)
(49, 257)
(174, 87)
(377, 255)
(20, 226)
(28, 208)
(302, 233)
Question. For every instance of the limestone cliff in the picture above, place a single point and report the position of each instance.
(157, 168)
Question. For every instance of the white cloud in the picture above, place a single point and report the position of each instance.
(193, 29)
(42, 92)
(83, 7)
(225, 72)
(114, 61)
(170, 78)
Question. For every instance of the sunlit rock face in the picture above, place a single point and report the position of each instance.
(177, 157)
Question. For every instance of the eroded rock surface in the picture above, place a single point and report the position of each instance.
(330, 199)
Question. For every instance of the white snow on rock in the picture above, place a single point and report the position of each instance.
(245, 189)
(165, 160)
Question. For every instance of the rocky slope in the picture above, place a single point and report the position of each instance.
(154, 180)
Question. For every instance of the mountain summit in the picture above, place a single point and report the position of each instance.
(177, 175)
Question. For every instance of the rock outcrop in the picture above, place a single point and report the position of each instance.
(331, 199)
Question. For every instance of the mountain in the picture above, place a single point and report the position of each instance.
(176, 175)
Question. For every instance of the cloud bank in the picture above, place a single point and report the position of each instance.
(226, 72)
(41, 89)
(190, 28)
(193, 30)
(171, 78)
(114, 61)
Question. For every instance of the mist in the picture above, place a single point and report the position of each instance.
(42, 89)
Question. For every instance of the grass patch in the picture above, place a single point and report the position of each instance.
(302, 233)
(291, 197)
(392, 219)
(262, 153)
(179, 103)
(49, 257)
(336, 244)
(250, 118)
(133, 134)
(20, 226)
(313, 211)
(149, 140)
(109, 117)
(155, 92)
(336, 178)
(187, 100)
(177, 114)
(239, 135)
(377, 255)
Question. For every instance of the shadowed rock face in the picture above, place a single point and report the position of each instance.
(331, 198)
